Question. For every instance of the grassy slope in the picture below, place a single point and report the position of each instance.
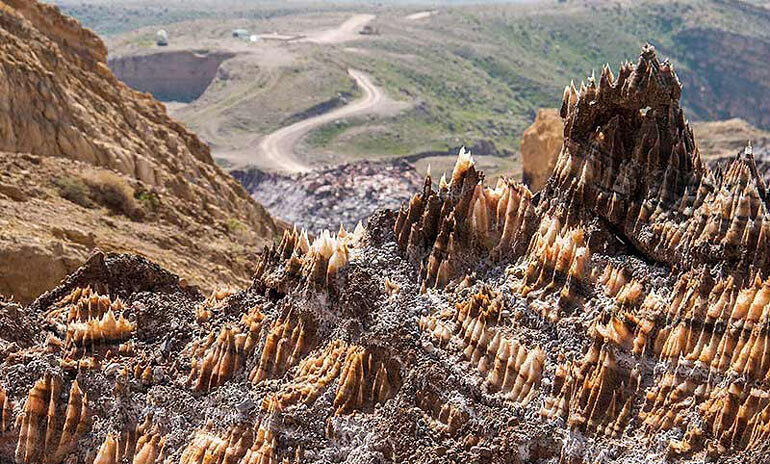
(483, 72)
(246, 105)
(114, 17)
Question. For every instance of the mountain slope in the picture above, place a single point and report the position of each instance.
(59, 99)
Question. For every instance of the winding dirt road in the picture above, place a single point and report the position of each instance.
(277, 148)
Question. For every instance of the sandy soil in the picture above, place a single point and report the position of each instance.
(277, 36)
(345, 32)
(277, 149)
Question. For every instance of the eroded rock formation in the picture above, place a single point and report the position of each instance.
(619, 315)
(47, 430)
(718, 142)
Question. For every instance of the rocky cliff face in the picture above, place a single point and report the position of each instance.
(620, 316)
(712, 81)
(58, 99)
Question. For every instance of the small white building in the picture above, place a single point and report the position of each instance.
(161, 38)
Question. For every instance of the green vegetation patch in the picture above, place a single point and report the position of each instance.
(324, 136)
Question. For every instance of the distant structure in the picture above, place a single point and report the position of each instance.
(161, 38)
(241, 34)
(369, 30)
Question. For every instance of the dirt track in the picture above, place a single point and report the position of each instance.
(344, 32)
(277, 148)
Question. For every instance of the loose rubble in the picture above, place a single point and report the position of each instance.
(339, 195)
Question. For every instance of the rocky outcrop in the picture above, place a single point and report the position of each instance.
(681, 218)
(619, 315)
(717, 140)
(540, 145)
(60, 103)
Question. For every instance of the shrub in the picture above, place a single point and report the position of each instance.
(148, 199)
(74, 190)
(113, 192)
(234, 226)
